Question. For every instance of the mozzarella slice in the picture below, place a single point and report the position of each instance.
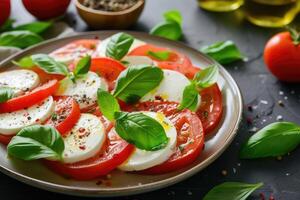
(101, 49)
(11, 123)
(171, 88)
(141, 159)
(83, 90)
(20, 81)
(137, 60)
(85, 139)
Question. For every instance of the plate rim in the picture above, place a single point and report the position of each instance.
(137, 189)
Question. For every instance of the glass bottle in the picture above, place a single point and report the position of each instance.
(220, 5)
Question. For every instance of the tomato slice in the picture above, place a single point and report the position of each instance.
(113, 153)
(45, 77)
(107, 68)
(190, 135)
(5, 139)
(66, 115)
(211, 108)
(176, 61)
(30, 98)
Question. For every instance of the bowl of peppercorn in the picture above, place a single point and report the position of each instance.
(110, 14)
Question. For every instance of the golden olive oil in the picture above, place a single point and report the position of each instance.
(271, 13)
(220, 5)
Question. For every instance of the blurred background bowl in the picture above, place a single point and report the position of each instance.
(98, 19)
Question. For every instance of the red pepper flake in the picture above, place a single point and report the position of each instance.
(37, 120)
(81, 130)
(82, 147)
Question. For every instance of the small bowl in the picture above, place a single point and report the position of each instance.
(98, 19)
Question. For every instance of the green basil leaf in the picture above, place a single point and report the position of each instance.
(20, 39)
(8, 25)
(136, 81)
(35, 27)
(207, 77)
(25, 62)
(119, 45)
(169, 30)
(190, 98)
(224, 52)
(232, 191)
(173, 16)
(276, 139)
(108, 104)
(159, 55)
(49, 65)
(82, 67)
(36, 142)
(141, 130)
(6, 93)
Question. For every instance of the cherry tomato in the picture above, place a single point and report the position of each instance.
(5, 139)
(282, 57)
(29, 99)
(190, 135)
(107, 68)
(46, 9)
(176, 61)
(5, 11)
(113, 153)
(66, 115)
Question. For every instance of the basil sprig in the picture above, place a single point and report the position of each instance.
(35, 27)
(159, 55)
(203, 79)
(6, 93)
(136, 128)
(36, 142)
(119, 45)
(276, 139)
(232, 191)
(171, 27)
(136, 81)
(51, 66)
(20, 39)
(224, 52)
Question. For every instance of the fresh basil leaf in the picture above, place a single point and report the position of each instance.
(6, 93)
(82, 67)
(224, 52)
(232, 191)
(276, 139)
(36, 142)
(49, 65)
(35, 27)
(108, 104)
(119, 45)
(169, 30)
(173, 16)
(25, 62)
(141, 130)
(8, 25)
(207, 77)
(136, 81)
(190, 98)
(159, 55)
(20, 39)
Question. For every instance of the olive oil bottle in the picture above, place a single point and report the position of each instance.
(220, 5)
(271, 13)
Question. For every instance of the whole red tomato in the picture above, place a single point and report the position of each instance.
(282, 56)
(4, 11)
(46, 9)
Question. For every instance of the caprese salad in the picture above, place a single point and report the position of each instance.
(94, 106)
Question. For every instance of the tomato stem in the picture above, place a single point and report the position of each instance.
(295, 35)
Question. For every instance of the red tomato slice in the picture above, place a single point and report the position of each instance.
(190, 135)
(107, 68)
(176, 61)
(66, 115)
(5, 139)
(113, 153)
(211, 108)
(30, 98)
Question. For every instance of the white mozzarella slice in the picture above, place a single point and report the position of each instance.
(171, 88)
(83, 90)
(11, 123)
(101, 49)
(141, 159)
(20, 81)
(85, 139)
(137, 60)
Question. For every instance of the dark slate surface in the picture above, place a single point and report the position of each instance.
(281, 178)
